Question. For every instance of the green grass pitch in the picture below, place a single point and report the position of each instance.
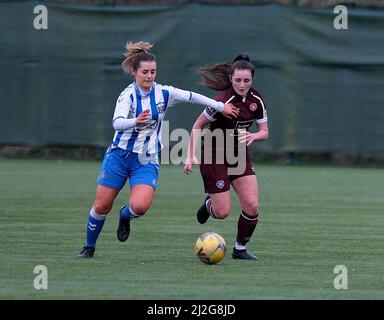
(312, 219)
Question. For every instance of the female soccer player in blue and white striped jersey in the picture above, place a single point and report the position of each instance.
(133, 154)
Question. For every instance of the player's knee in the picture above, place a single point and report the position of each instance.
(252, 208)
(221, 212)
(139, 208)
(102, 208)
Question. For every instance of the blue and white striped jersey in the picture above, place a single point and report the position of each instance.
(146, 138)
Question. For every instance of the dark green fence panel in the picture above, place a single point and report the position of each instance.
(323, 87)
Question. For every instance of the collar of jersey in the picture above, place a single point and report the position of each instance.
(140, 92)
(239, 97)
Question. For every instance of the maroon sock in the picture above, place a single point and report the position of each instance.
(245, 227)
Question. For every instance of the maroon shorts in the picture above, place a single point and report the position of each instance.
(218, 177)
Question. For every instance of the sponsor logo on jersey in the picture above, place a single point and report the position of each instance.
(150, 125)
(241, 125)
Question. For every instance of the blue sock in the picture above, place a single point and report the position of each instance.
(94, 226)
(127, 213)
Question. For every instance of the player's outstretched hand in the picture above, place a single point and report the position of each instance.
(188, 168)
(189, 162)
(230, 111)
(143, 117)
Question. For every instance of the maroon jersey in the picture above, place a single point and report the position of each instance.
(219, 155)
(252, 108)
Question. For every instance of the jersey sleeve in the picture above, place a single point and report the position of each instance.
(260, 114)
(211, 114)
(178, 95)
(123, 106)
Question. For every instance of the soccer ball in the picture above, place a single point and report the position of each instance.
(210, 248)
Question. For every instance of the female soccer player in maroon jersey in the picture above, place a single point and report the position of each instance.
(228, 139)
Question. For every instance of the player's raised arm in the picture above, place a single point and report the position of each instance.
(227, 109)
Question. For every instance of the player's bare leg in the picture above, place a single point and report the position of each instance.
(216, 205)
(104, 199)
(140, 200)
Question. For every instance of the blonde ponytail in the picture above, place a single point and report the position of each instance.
(135, 53)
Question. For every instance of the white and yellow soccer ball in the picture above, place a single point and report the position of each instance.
(210, 248)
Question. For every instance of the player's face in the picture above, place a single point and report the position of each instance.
(145, 75)
(241, 81)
